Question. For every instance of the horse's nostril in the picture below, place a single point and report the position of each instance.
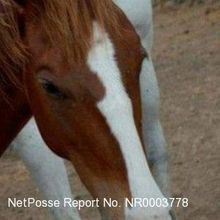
(172, 214)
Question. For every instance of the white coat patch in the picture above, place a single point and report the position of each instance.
(116, 107)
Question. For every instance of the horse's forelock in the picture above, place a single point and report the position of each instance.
(69, 23)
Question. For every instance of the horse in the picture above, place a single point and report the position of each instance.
(86, 86)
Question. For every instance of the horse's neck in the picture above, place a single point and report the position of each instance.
(14, 113)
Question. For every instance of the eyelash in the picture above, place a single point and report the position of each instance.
(51, 89)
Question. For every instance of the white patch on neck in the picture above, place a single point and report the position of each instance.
(116, 107)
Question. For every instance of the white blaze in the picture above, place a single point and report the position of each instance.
(117, 109)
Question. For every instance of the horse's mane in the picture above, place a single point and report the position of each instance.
(68, 24)
(12, 50)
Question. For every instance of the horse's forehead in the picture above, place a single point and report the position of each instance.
(125, 55)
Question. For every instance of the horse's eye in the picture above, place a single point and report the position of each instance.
(52, 89)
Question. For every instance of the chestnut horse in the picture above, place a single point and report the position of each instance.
(81, 70)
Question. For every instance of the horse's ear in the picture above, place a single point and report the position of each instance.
(19, 15)
(22, 3)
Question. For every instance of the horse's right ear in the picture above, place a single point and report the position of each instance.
(20, 15)
(22, 3)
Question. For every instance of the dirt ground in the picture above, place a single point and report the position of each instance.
(187, 61)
